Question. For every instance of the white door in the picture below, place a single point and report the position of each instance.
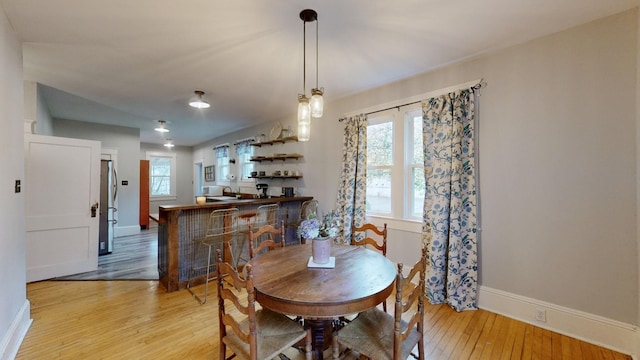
(62, 184)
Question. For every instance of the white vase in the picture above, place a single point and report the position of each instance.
(321, 250)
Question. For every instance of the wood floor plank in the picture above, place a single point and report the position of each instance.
(518, 341)
(483, 338)
(470, 336)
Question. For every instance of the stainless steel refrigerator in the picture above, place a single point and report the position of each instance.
(108, 194)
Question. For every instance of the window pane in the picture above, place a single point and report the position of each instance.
(380, 144)
(379, 191)
(160, 176)
(246, 166)
(160, 186)
(418, 189)
(418, 154)
(222, 168)
(246, 171)
(160, 166)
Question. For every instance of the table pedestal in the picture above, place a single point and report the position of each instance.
(321, 332)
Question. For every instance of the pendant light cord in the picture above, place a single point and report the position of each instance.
(304, 55)
(316, 53)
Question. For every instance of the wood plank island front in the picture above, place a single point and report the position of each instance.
(179, 225)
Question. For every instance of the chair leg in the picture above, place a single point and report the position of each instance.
(206, 281)
(335, 346)
(307, 350)
(223, 350)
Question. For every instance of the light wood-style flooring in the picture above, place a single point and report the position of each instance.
(133, 257)
(140, 320)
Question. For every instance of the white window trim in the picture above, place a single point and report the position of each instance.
(172, 190)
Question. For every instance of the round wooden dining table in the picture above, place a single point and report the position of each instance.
(360, 280)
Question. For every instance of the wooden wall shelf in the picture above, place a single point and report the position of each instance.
(276, 177)
(276, 141)
(282, 157)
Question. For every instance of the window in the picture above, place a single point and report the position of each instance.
(162, 174)
(379, 164)
(415, 164)
(244, 150)
(395, 171)
(222, 162)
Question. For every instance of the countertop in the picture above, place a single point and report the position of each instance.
(221, 204)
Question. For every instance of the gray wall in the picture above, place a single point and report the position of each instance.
(14, 307)
(127, 142)
(36, 110)
(557, 164)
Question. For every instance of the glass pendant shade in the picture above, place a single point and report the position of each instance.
(304, 132)
(317, 103)
(304, 118)
(304, 112)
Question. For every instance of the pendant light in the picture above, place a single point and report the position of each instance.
(161, 127)
(317, 102)
(169, 143)
(198, 100)
(306, 109)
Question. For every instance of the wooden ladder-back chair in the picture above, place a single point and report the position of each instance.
(378, 335)
(264, 237)
(249, 333)
(379, 244)
(307, 207)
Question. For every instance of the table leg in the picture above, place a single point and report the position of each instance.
(320, 329)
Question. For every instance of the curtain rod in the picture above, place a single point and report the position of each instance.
(245, 140)
(221, 146)
(477, 86)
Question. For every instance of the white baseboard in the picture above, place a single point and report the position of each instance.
(611, 334)
(15, 334)
(119, 231)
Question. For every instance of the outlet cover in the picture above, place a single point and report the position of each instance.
(541, 315)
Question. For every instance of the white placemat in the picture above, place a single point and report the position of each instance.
(330, 265)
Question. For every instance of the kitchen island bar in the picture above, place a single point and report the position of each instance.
(180, 225)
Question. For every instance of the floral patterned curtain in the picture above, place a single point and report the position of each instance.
(221, 151)
(244, 146)
(350, 203)
(450, 207)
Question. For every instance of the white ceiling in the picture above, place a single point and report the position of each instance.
(133, 62)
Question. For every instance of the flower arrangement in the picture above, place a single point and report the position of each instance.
(312, 227)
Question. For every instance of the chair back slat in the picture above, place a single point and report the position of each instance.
(367, 229)
(257, 236)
